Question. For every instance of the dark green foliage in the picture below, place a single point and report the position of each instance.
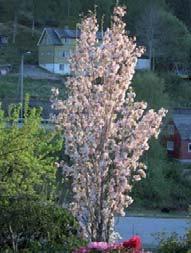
(25, 40)
(181, 9)
(27, 223)
(175, 244)
(175, 41)
(178, 89)
(150, 87)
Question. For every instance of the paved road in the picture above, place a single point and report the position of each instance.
(35, 72)
(146, 226)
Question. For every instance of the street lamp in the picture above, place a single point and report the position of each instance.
(21, 79)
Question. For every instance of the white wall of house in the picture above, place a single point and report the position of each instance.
(143, 64)
(49, 67)
(63, 68)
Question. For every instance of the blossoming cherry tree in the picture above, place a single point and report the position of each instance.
(106, 131)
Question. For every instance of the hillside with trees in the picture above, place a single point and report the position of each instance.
(161, 26)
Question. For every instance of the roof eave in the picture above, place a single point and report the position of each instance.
(44, 30)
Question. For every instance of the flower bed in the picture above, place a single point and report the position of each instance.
(133, 245)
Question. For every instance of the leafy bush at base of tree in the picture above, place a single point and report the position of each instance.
(28, 225)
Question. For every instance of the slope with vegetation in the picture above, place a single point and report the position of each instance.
(159, 25)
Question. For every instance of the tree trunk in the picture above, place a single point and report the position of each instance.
(150, 54)
(68, 8)
(15, 28)
(13, 239)
(153, 62)
(33, 26)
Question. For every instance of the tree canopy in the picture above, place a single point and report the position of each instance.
(27, 154)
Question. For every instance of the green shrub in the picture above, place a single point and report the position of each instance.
(28, 224)
(175, 244)
(150, 87)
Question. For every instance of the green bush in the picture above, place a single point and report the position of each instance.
(175, 244)
(28, 224)
(178, 90)
(150, 87)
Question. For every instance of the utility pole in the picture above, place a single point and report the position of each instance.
(21, 81)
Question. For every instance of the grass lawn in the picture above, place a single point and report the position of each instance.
(37, 89)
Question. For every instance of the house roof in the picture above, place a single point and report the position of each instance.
(67, 33)
(182, 121)
(55, 35)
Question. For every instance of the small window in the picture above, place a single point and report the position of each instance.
(62, 67)
(4, 40)
(66, 54)
(170, 146)
(170, 129)
(189, 147)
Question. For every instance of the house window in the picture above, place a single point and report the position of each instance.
(170, 146)
(66, 53)
(170, 129)
(62, 67)
(189, 147)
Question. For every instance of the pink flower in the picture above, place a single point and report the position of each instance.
(82, 250)
(133, 243)
(98, 245)
(114, 246)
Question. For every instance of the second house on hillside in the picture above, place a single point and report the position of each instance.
(55, 46)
